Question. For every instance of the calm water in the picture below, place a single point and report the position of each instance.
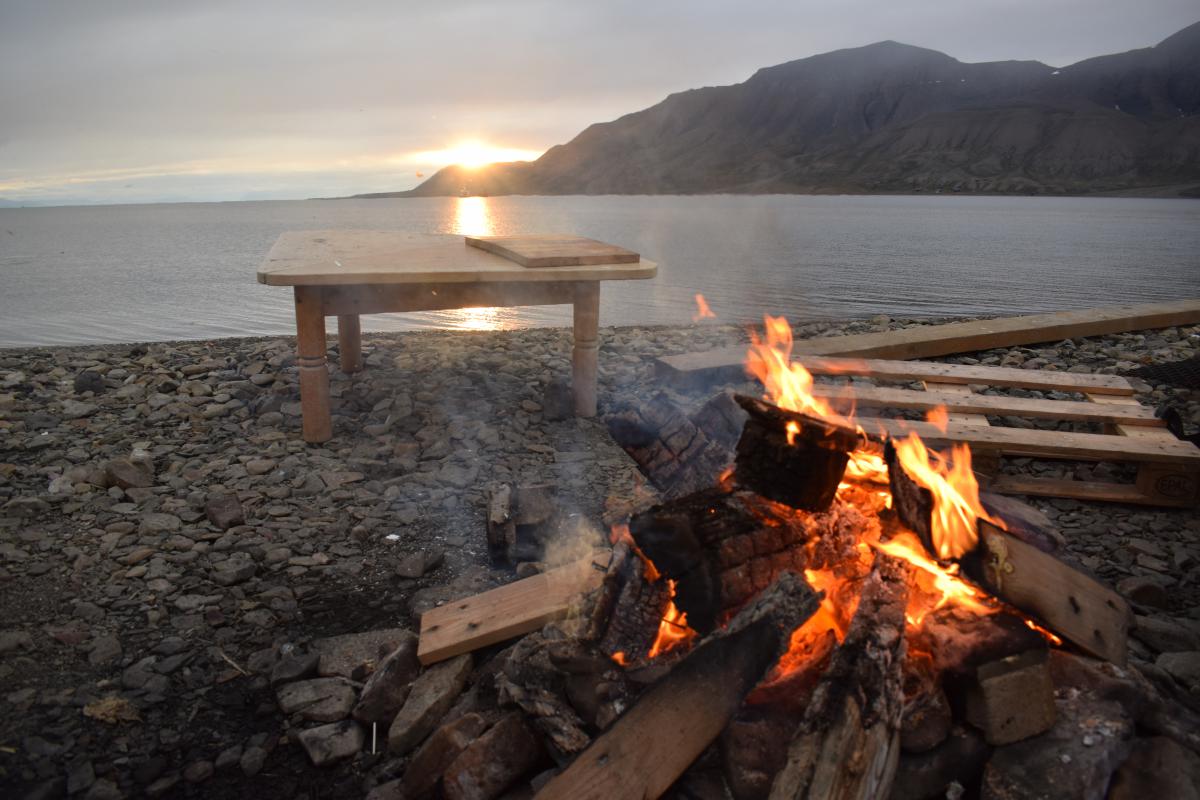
(186, 271)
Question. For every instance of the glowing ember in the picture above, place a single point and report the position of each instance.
(864, 466)
(619, 657)
(702, 309)
(620, 533)
(956, 506)
(941, 586)
(673, 630)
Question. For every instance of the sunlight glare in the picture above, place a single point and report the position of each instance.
(472, 217)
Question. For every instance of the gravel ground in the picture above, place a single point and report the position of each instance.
(165, 533)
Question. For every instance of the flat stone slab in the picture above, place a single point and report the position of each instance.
(319, 699)
(343, 655)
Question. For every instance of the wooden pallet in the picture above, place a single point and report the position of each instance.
(1168, 470)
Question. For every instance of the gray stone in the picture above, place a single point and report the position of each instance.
(558, 401)
(128, 475)
(13, 640)
(153, 524)
(74, 409)
(294, 667)
(198, 771)
(80, 775)
(330, 743)
(1165, 634)
(387, 688)
(104, 651)
(229, 757)
(318, 700)
(237, 568)
(356, 653)
(252, 761)
(224, 511)
(1144, 591)
(494, 761)
(432, 694)
(1157, 768)
(417, 564)
(1183, 667)
(104, 789)
(439, 751)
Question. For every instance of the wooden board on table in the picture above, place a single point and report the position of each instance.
(971, 406)
(387, 258)
(1076, 607)
(514, 609)
(928, 341)
(553, 251)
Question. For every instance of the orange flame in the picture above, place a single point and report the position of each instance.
(939, 418)
(619, 657)
(702, 309)
(941, 582)
(956, 506)
(787, 385)
(673, 630)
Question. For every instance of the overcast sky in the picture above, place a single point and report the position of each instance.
(110, 101)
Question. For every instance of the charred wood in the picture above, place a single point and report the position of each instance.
(848, 742)
(790, 457)
(675, 720)
(678, 453)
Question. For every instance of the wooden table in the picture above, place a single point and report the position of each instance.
(345, 273)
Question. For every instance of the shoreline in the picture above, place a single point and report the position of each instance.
(136, 586)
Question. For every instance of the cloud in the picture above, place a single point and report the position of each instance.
(276, 93)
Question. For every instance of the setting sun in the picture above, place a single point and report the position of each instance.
(474, 154)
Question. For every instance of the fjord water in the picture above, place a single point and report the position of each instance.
(89, 274)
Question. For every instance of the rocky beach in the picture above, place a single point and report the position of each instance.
(172, 552)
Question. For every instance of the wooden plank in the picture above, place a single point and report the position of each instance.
(972, 406)
(961, 374)
(1036, 443)
(461, 626)
(1164, 485)
(673, 721)
(553, 250)
(928, 341)
(984, 465)
(1066, 487)
(1071, 604)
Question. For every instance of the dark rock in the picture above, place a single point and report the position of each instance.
(128, 475)
(926, 722)
(294, 667)
(1165, 635)
(1144, 591)
(238, 568)
(15, 640)
(104, 789)
(104, 651)
(330, 743)
(89, 381)
(958, 759)
(252, 760)
(558, 401)
(318, 700)
(198, 771)
(494, 761)
(392, 790)
(439, 751)
(224, 511)
(1157, 768)
(163, 785)
(80, 775)
(387, 688)
(1183, 667)
(1074, 760)
(229, 757)
(432, 694)
(753, 749)
(417, 564)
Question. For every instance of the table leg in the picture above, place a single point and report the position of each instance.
(584, 356)
(314, 376)
(350, 342)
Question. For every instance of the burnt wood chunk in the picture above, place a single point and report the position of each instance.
(913, 503)
(848, 742)
(678, 717)
(678, 453)
(1012, 698)
(521, 521)
(640, 604)
(801, 467)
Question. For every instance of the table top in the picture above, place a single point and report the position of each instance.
(346, 257)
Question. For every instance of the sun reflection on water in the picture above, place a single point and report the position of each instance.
(472, 217)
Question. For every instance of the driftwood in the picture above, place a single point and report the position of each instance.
(792, 458)
(848, 742)
(651, 745)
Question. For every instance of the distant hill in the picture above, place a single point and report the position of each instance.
(890, 117)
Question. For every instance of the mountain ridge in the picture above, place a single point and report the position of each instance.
(890, 117)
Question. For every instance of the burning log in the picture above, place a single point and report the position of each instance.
(721, 547)
(848, 742)
(1015, 567)
(629, 609)
(651, 745)
(1073, 605)
(790, 457)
